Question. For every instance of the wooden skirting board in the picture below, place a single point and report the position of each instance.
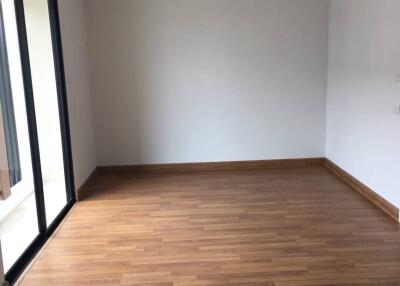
(81, 191)
(372, 196)
(367, 192)
(216, 166)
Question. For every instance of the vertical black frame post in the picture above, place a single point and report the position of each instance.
(62, 98)
(31, 114)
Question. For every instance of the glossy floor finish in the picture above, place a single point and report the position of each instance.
(282, 227)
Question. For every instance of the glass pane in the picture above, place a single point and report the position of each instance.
(46, 105)
(18, 216)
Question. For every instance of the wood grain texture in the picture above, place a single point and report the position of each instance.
(375, 198)
(216, 166)
(280, 227)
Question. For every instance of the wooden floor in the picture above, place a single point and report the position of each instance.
(282, 227)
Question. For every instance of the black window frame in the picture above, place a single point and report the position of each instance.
(45, 231)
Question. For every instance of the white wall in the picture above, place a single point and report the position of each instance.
(213, 80)
(78, 88)
(364, 57)
(207, 80)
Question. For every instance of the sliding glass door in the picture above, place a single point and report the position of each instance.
(18, 212)
(46, 106)
(36, 181)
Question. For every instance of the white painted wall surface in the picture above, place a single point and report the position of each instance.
(80, 104)
(364, 57)
(205, 80)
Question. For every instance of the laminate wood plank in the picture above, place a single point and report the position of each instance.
(270, 226)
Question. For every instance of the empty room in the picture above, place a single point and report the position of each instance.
(200, 142)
